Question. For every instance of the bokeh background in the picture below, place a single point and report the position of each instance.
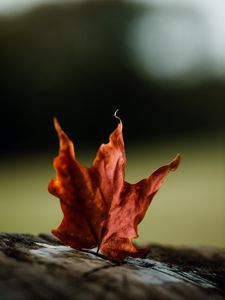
(161, 62)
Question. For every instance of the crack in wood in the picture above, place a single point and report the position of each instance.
(95, 270)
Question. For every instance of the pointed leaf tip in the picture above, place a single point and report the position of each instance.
(56, 124)
(175, 163)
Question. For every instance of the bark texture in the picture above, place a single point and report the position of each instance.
(40, 267)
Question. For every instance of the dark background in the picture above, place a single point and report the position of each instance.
(72, 61)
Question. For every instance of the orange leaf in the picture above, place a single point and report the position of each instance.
(100, 209)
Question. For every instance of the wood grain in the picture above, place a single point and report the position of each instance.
(40, 267)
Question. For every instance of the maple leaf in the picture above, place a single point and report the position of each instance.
(100, 209)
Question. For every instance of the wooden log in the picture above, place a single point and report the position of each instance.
(40, 267)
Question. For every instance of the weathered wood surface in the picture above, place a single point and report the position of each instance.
(40, 267)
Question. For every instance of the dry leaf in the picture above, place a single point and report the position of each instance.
(100, 209)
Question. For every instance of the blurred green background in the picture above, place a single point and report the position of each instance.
(162, 63)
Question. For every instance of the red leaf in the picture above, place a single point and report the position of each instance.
(99, 208)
